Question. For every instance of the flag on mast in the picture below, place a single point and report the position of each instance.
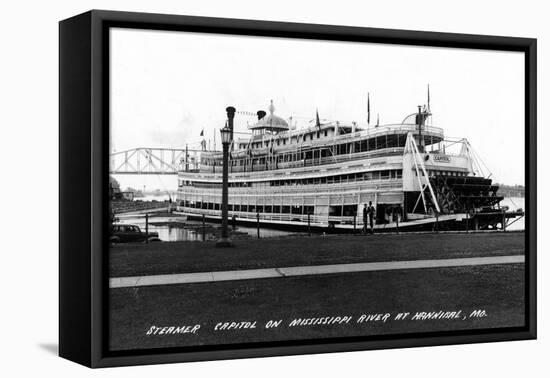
(368, 109)
(202, 132)
(428, 97)
(317, 121)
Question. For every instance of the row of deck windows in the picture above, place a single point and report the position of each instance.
(334, 210)
(365, 145)
(285, 209)
(338, 179)
(342, 179)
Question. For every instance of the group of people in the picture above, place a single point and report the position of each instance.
(368, 218)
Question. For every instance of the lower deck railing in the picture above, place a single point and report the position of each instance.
(278, 217)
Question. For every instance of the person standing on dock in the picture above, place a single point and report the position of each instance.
(371, 211)
(365, 219)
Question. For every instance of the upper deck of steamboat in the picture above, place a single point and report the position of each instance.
(318, 145)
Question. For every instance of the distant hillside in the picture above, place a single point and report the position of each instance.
(511, 190)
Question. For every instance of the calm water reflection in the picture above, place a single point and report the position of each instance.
(177, 229)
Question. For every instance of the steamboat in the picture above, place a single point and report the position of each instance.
(324, 175)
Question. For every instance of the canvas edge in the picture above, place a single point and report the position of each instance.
(99, 20)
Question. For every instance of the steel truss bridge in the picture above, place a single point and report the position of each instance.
(152, 161)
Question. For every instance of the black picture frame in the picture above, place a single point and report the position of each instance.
(83, 196)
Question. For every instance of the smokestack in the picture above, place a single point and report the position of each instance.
(230, 115)
(420, 122)
(261, 114)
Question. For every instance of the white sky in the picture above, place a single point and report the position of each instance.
(167, 86)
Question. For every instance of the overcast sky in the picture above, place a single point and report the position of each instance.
(167, 86)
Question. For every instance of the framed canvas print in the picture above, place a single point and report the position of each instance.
(236, 188)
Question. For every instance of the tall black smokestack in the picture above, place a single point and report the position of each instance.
(261, 114)
(420, 122)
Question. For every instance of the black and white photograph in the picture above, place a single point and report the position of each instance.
(235, 189)
(268, 189)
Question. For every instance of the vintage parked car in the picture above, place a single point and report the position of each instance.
(127, 233)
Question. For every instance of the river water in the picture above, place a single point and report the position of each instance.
(176, 229)
(515, 203)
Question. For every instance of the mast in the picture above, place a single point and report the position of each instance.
(429, 110)
(368, 109)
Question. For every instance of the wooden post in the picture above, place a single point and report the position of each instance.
(397, 221)
(203, 229)
(437, 222)
(354, 222)
(309, 223)
(258, 224)
(503, 221)
(146, 228)
(234, 221)
(467, 222)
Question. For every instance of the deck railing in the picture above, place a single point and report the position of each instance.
(296, 167)
(373, 185)
(371, 132)
(315, 220)
(384, 152)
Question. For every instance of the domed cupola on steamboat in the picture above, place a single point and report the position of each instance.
(269, 123)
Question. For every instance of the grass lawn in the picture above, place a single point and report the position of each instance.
(183, 257)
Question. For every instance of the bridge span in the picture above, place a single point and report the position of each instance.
(153, 161)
